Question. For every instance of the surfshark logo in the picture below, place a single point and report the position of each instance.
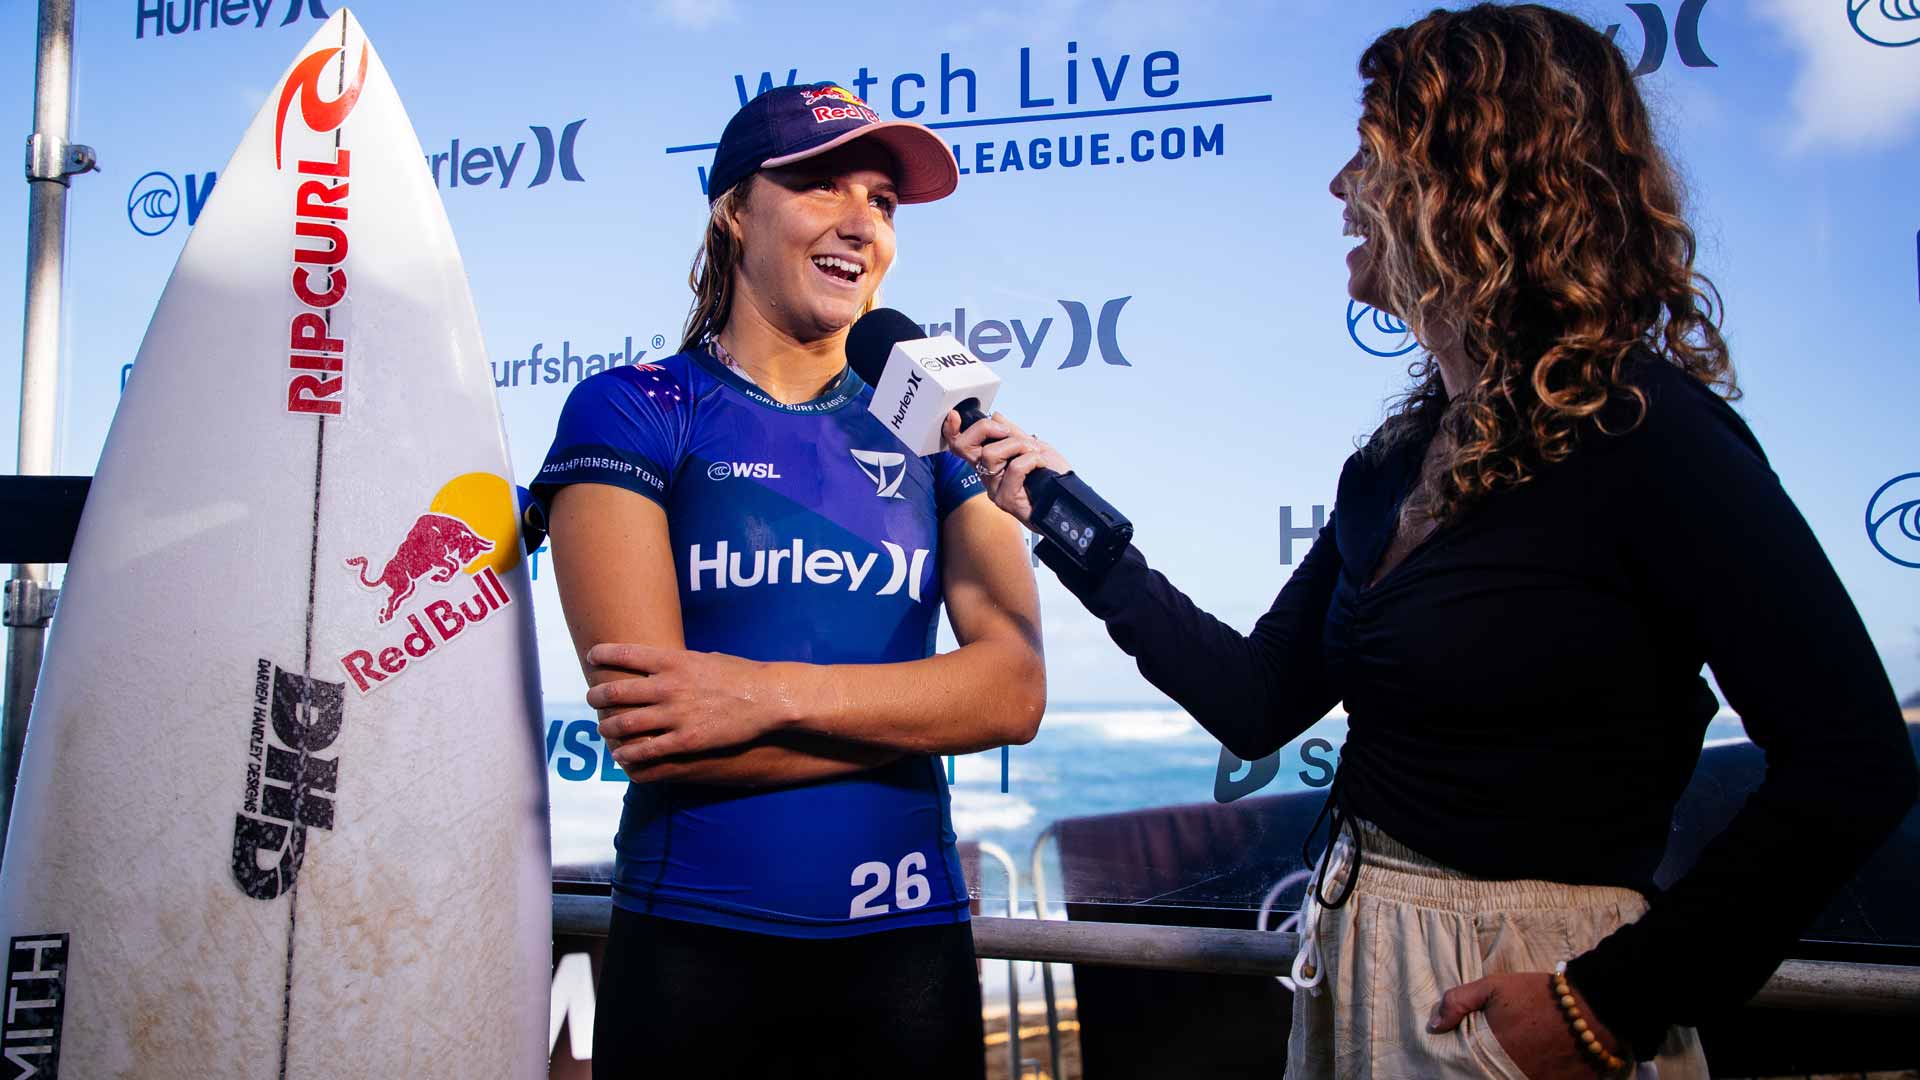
(289, 786)
(994, 340)
(1893, 24)
(1686, 36)
(478, 166)
(875, 464)
(178, 17)
(795, 565)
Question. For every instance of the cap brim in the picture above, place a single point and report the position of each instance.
(927, 169)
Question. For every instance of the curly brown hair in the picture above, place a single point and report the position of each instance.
(1519, 209)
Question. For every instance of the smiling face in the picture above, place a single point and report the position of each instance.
(816, 239)
(1363, 277)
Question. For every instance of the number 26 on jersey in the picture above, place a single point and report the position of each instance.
(911, 889)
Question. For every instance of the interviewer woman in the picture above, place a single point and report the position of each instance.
(1526, 568)
(751, 567)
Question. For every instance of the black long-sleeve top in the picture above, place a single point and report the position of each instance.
(1524, 690)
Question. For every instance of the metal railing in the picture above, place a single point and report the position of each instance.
(1814, 985)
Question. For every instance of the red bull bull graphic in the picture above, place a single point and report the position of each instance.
(830, 93)
(436, 547)
(470, 527)
(317, 383)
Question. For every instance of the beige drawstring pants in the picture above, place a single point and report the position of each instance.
(1414, 929)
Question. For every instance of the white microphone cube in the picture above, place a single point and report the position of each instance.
(925, 379)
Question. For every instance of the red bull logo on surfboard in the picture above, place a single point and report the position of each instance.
(437, 546)
(470, 527)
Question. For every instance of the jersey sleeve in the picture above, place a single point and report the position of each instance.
(954, 481)
(625, 428)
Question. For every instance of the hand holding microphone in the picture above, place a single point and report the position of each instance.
(919, 382)
(1004, 455)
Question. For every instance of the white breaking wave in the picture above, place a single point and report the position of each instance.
(1127, 725)
(976, 811)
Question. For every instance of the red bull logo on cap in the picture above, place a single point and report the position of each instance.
(843, 105)
(469, 527)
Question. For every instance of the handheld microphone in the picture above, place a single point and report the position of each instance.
(917, 380)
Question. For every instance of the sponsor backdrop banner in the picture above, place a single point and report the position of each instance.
(1143, 245)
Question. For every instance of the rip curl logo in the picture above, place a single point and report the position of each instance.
(318, 113)
(1379, 333)
(1893, 520)
(1892, 24)
(875, 464)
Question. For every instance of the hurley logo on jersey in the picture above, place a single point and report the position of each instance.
(795, 564)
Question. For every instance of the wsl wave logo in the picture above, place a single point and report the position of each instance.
(1686, 35)
(484, 165)
(1893, 24)
(994, 340)
(1893, 520)
(1379, 333)
(154, 203)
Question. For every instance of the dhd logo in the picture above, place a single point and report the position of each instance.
(1892, 24)
(154, 202)
(1686, 36)
(481, 165)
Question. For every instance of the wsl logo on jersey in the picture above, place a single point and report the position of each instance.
(727, 567)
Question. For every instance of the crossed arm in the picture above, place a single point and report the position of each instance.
(671, 714)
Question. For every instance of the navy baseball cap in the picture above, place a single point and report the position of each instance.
(792, 123)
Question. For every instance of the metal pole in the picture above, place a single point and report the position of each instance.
(51, 159)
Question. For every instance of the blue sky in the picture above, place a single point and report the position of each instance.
(1243, 392)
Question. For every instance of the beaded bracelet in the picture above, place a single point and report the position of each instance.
(1603, 1061)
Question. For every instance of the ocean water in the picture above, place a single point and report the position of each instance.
(1087, 759)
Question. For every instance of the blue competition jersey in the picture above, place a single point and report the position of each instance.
(800, 532)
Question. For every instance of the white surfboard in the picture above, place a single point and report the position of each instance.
(282, 810)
